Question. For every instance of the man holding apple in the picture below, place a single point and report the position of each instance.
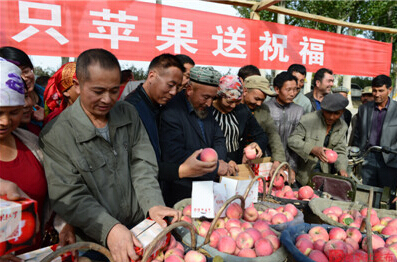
(318, 132)
(187, 124)
(100, 166)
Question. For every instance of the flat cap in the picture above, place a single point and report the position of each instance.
(334, 102)
(205, 75)
(340, 89)
(367, 90)
(259, 82)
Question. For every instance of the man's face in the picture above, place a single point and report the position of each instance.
(331, 117)
(99, 93)
(366, 98)
(186, 76)
(381, 94)
(253, 98)
(201, 97)
(325, 85)
(287, 93)
(301, 81)
(163, 84)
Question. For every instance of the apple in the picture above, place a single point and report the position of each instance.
(255, 234)
(391, 240)
(318, 256)
(227, 245)
(333, 216)
(214, 239)
(337, 233)
(246, 225)
(378, 228)
(292, 209)
(377, 242)
(263, 247)
(337, 210)
(174, 251)
(187, 219)
(305, 192)
(234, 232)
(385, 220)
(195, 256)
(187, 210)
(307, 236)
(278, 181)
(304, 245)
(172, 243)
(267, 232)
(354, 233)
(180, 246)
(244, 240)
(289, 194)
(250, 152)
(265, 216)
(208, 155)
(332, 156)
(286, 189)
(365, 210)
(279, 218)
(352, 242)
(374, 219)
(335, 247)
(280, 209)
(236, 251)
(261, 225)
(234, 210)
(274, 240)
(319, 244)
(289, 216)
(222, 231)
(393, 248)
(251, 214)
(346, 219)
(384, 254)
(232, 223)
(203, 229)
(392, 222)
(271, 211)
(318, 232)
(389, 230)
(246, 252)
(174, 258)
(357, 256)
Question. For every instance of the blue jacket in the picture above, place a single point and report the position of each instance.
(180, 136)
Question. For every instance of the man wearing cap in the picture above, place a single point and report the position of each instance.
(377, 126)
(322, 83)
(299, 71)
(347, 115)
(187, 124)
(163, 80)
(317, 132)
(366, 96)
(285, 113)
(256, 88)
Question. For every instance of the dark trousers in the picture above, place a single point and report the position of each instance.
(375, 172)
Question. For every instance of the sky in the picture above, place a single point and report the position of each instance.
(55, 62)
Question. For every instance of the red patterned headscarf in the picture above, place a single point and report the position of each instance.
(61, 81)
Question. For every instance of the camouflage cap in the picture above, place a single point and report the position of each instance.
(205, 75)
(367, 90)
(340, 89)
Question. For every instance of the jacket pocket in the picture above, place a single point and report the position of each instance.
(90, 165)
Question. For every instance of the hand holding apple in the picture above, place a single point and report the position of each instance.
(192, 167)
(319, 152)
(332, 156)
(252, 151)
(208, 155)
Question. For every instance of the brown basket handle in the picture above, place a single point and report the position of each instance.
(76, 246)
(152, 245)
(276, 174)
(218, 215)
(252, 183)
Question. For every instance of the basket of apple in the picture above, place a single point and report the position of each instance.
(322, 243)
(279, 188)
(341, 213)
(234, 239)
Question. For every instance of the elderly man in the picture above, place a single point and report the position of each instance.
(187, 124)
(317, 132)
(100, 166)
(322, 83)
(347, 115)
(256, 88)
(285, 113)
(299, 71)
(377, 126)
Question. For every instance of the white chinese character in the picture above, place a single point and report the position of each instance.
(175, 31)
(234, 42)
(272, 45)
(55, 20)
(314, 48)
(114, 27)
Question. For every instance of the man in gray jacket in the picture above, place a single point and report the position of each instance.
(100, 166)
(285, 113)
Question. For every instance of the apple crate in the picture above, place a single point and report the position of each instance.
(288, 239)
(319, 205)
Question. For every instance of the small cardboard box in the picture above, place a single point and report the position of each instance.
(261, 167)
(146, 232)
(207, 198)
(39, 254)
(17, 224)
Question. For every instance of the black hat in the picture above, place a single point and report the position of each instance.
(334, 102)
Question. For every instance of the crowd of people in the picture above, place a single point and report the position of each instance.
(107, 157)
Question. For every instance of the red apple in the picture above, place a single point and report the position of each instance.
(232, 223)
(195, 256)
(318, 256)
(292, 209)
(357, 256)
(255, 234)
(319, 244)
(214, 239)
(246, 252)
(336, 247)
(174, 258)
(352, 242)
(227, 245)
(208, 155)
(250, 152)
(274, 240)
(263, 247)
(389, 230)
(332, 156)
(222, 232)
(203, 229)
(187, 210)
(246, 225)
(261, 225)
(251, 214)
(337, 233)
(318, 232)
(391, 240)
(234, 232)
(279, 218)
(305, 192)
(384, 254)
(377, 242)
(244, 240)
(234, 210)
(354, 233)
(304, 245)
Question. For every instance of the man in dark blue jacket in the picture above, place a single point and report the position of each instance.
(186, 125)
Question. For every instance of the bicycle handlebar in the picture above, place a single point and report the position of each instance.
(383, 149)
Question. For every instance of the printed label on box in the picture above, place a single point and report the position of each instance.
(10, 217)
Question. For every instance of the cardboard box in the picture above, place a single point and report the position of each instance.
(39, 254)
(146, 232)
(261, 167)
(207, 198)
(17, 224)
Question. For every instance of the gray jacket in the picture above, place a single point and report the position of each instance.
(304, 102)
(94, 184)
(286, 118)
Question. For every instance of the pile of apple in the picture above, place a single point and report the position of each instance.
(176, 253)
(284, 191)
(340, 245)
(353, 218)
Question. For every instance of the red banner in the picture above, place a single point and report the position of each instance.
(139, 31)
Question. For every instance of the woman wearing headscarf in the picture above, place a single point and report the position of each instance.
(238, 125)
(21, 160)
(60, 91)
